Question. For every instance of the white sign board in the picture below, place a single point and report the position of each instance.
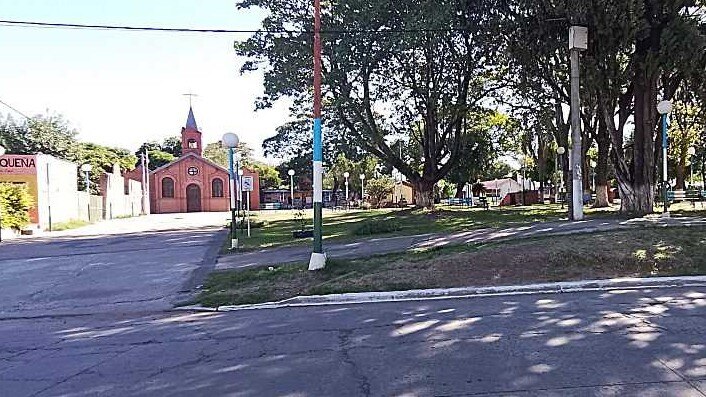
(578, 38)
(248, 185)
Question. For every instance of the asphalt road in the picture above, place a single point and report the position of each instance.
(90, 314)
(109, 272)
(620, 343)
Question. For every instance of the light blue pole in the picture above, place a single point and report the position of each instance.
(664, 162)
(234, 240)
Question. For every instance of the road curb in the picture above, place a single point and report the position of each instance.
(468, 292)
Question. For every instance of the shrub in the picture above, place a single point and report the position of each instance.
(15, 203)
(371, 227)
(379, 188)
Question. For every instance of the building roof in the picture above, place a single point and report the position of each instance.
(191, 120)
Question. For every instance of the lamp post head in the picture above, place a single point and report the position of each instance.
(691, 150)
(230, 140)
(240, 172)
(665, 107)
(593, 164)
(362, 177)
(86, 168)
(290, 172)
(2, 151)
(560, 150)
(346, 174)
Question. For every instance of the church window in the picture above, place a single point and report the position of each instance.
(193, 144)
(217, 187)
(193, 171)
(168, 187)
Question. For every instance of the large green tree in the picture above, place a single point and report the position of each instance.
(48, 134)
(639, 52)
(392, 69)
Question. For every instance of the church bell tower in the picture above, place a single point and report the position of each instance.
(191, 137)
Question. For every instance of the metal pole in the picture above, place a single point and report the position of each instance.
(239, 190)
(318, 258)
(233, 236)
(248, 209)
(664, 163)
(561, 183)
(49, 197)
(577, 185)
(291, 191)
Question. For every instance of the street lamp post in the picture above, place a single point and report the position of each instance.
(578, 41)
(664, 108)
(691, 152)
(2, 153)
(362, 189)
(230, 141)
(346, 175)
(291, 188)
(560, 152)
(86, 169)
(593, 165)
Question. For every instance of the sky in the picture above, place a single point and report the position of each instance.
(121, 88)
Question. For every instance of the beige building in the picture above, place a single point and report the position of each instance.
(51, 182)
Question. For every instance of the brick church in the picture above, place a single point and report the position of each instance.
(193, 183)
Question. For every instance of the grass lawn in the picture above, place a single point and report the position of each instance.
(642, 252)
(276, 227)
(69, 225)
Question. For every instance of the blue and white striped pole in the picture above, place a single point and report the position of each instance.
(318, 258)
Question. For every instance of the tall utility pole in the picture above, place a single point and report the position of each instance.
(578, 41)
(318, 258)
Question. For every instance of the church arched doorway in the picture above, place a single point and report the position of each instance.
(193, 198)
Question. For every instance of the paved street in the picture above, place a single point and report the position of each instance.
(92, 314)
(385, 245)
(620, 343)
(111, 266)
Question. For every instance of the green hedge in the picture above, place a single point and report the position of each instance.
(381, 226)
(15, 203)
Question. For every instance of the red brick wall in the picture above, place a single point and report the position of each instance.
(178, 171)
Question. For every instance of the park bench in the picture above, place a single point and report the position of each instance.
(483, 202)
(696, 196)
(676, 196)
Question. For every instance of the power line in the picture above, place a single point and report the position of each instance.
(14, 109)
(54, 25)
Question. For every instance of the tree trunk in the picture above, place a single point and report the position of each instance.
(681, 173)
(423, 193)
(603, 141)
(459, 190)
(638, 199)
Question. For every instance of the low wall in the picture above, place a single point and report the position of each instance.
(90, 208)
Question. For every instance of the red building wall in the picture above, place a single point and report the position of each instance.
(207, 172)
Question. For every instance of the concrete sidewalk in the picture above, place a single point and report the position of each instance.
(141, 224)
(386, 245)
